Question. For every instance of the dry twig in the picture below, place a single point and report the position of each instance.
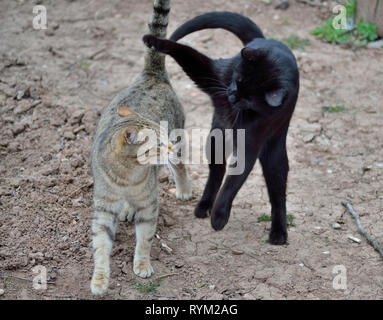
(167, 275)
(369, 239)
(312, 3)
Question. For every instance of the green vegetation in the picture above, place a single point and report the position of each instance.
(146, 288)
(334, 108)
(264, 218)
(356, 36)
(7, 282)
(290, 220)
(295, 42)
(83, 65)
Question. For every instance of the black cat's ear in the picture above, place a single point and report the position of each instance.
(275, 98)
(250, 54)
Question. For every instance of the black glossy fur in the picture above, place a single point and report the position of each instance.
(256, 90)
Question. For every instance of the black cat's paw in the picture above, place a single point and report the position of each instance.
(219, 218)
(150, 41)
(202, 210)
(278, 237)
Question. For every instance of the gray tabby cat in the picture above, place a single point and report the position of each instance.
(124, 188)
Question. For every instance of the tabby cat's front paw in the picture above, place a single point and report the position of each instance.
(99, 283)
(184, 192)
(142, 268)
(277, 237)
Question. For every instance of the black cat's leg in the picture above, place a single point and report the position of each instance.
(222, 206)
(217, 168)
(197, 66)
(275, 167)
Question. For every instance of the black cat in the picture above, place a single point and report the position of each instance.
(256, 90)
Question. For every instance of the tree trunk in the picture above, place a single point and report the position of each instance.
(372, 11)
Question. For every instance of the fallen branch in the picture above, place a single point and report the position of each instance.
(88, 184)
(370, 240)
(167, 275)
(311, 3)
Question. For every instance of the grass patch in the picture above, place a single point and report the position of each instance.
(295, 42)
(148, 288)
(83, 65)
(264, 218)
(290, 220)
(7, 282)
(355, 35)
(334, 109)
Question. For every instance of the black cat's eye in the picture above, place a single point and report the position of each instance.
(239, 81)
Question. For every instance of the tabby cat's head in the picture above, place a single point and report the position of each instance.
(139, 139)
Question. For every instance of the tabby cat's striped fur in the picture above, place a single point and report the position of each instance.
(124, 189)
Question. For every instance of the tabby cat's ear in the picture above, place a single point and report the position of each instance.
(124, 111)
(275, 98)
(250, 54)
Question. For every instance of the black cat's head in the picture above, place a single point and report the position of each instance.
(263, 78)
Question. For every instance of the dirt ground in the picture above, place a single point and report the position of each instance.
(53, 86)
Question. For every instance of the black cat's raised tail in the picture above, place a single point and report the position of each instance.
(245, 29)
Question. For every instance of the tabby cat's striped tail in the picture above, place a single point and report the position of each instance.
(158, 23)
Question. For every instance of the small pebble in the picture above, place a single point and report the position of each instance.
(69, 135)
(168, 221)
(357, 240)
(282, 5)
(124, 268)
(172, 190)
(326, 252)
(77, 116)
(375, 44)
(1, 292)
(18, 128)
(336, 225)
(237, 252)
(308, 138)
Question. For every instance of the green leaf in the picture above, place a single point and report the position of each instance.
(264, 217)
(350, 8)
(367, 30)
